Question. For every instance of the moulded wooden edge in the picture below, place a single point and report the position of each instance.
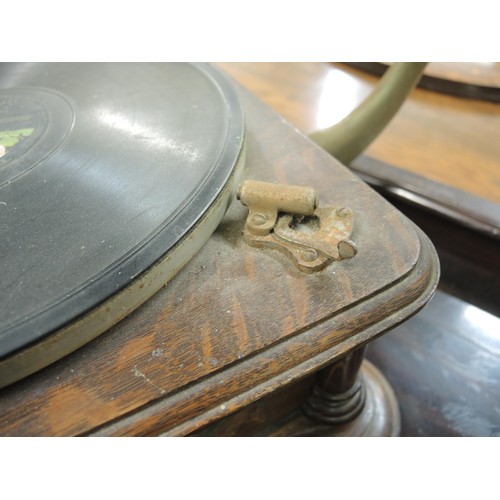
(305, 353)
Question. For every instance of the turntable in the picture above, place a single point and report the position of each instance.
(109, 170)
(139, 296)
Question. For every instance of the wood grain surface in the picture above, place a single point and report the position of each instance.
(449, 139)
(450, 389)
(486, 74)
(443, 365)
(478, 81)
(237, 322)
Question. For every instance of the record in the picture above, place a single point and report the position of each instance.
(106, 171)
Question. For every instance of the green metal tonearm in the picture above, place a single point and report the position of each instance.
(351, 136)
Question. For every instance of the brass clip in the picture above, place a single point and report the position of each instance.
(287, 218)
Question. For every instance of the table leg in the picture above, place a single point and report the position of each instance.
(352, 398)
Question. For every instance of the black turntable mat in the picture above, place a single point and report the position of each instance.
(104, 169)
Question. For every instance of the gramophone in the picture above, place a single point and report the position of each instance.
(173, 253)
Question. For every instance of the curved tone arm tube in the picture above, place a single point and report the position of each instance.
(351, 136)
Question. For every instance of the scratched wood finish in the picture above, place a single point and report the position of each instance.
(237, 322)
(445, 138)
(444, 370)
(470, 260)
(443, 364)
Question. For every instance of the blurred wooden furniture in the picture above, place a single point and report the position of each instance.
(445, 138)
(240, 323)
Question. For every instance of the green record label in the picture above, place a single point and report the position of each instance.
(33, 123)
(9, 138)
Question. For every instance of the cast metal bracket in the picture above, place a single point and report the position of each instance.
(287, 218)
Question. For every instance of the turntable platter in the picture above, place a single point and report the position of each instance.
(106, 172)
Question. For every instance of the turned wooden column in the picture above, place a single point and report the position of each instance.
(339, 394)
(350, 397)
